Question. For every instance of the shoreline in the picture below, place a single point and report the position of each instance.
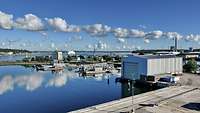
(7, 63)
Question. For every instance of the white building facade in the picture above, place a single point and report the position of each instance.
(135, 66)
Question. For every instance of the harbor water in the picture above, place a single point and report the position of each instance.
(25, 90)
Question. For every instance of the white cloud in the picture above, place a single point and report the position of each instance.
(73, 28)
(58, 23)
(32, 22)
(121, 40)
(6, 21)
(154, 34)
(124, 47)
(97, 29)
(147, 41)
(66, 45)
(89, 46)
(23, 44)
(3, 43)
(101, 45)
(52, 45)
(121, 32)
(29, 22)
(172, 35)
(43, 34)
(192, 37)
(136, 33)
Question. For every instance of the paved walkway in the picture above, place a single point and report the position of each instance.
(176, 99)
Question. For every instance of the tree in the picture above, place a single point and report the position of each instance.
(107, 58)
(190, 66)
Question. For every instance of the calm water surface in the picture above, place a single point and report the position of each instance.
(24, 90)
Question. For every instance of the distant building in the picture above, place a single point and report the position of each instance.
(135, 67)
(71, 53)
(59, 56)
(6, 53)
(190, 55)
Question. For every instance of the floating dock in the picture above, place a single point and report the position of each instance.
(174, 99)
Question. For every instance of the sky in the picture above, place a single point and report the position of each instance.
(100, 24)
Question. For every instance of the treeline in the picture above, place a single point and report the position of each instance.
(14, 50)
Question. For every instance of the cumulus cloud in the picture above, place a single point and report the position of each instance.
(121, 32)
(6, 21)
(23, 44)
(193, 37)
(146, 41)
(172, 35)
(32, 22)
(89, 46)
(97, 29)
(73, 28)
(44, 34)
(3, 43)
(65, 45)
(136, 33)
(52, 45)
(101, 45)
(60, 24)
(121, 40)
(154, 34)
(29, 22)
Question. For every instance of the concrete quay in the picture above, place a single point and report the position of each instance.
(174, 99)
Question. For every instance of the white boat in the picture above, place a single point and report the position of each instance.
(58, 64)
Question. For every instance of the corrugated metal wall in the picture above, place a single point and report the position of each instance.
(164, 65)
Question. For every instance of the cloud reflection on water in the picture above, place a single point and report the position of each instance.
(31, 82)
(6, 84)
(34, 81)
(60, 79)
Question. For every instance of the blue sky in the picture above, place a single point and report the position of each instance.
(180, 16)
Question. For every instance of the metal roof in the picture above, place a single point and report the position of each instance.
(156, 56)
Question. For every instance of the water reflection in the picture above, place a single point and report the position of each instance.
(35, 80)
(6, 84)
(29, 91)
(30, 83)
(59, 79)
(130, 88)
